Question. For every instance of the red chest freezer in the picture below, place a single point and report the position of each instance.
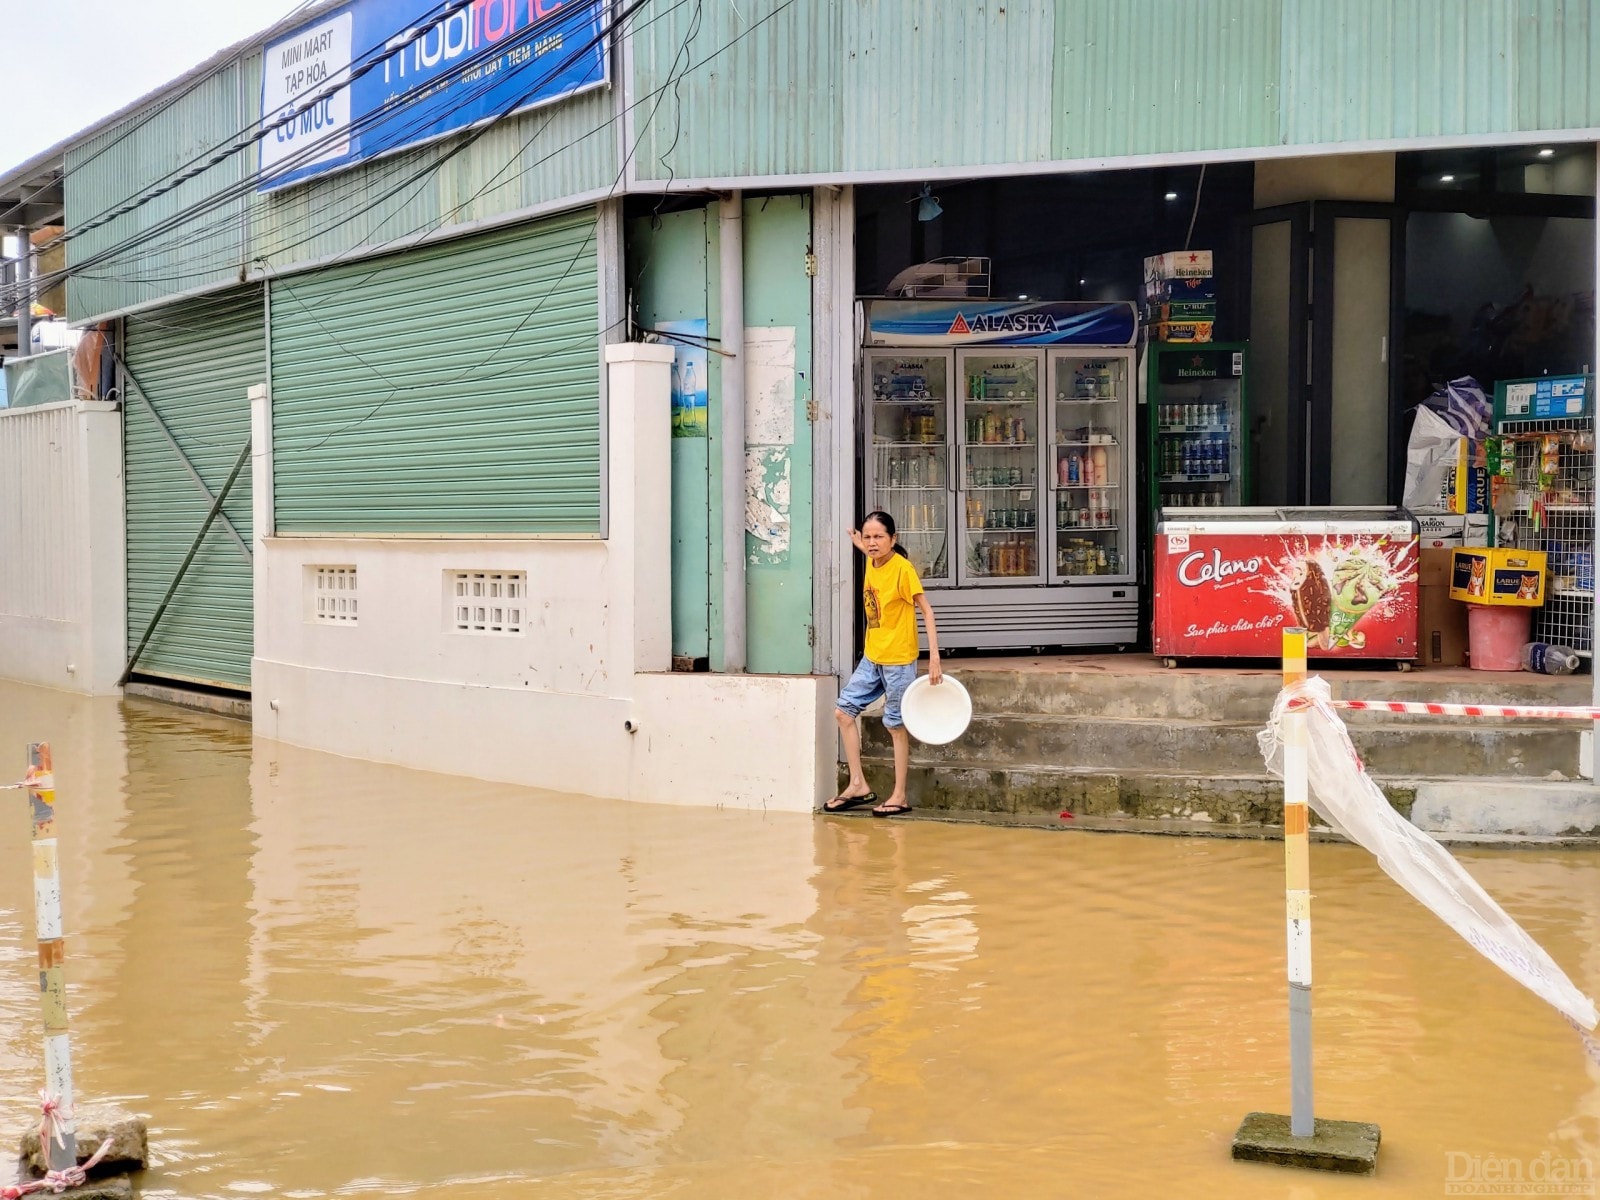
(1229, 582)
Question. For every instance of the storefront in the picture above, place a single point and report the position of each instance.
(1344, 293)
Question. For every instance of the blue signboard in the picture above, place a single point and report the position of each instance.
(997, 322)
(379, 75)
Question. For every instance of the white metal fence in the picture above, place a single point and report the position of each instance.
(61, 545)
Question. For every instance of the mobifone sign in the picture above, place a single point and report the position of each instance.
(376, 76)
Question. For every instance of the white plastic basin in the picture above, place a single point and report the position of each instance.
(936, 715)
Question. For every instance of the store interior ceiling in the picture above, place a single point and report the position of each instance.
(1082, 236)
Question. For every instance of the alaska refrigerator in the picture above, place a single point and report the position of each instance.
(1008, 469)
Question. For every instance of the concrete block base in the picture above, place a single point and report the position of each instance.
(128, 1135)
(1350, 1146)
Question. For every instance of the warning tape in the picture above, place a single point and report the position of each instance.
(1431, 709)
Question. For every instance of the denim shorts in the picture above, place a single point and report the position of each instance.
(872, 680)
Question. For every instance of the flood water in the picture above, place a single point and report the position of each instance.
(321, 977)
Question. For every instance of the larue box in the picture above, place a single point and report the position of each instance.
(1182, 331)
(1183, 310)
(1441, 621)
(1504, 575)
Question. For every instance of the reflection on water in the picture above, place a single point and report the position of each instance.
(322, 977)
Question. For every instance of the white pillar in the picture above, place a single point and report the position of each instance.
(639, 470)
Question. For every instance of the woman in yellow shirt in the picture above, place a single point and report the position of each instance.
(892, 593)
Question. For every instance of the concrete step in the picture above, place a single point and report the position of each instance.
(1116, 687)
(1223, 799)
(1469, 805)
(1145, 746)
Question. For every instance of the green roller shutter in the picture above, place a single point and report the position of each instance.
(194, 364)
(452, 389)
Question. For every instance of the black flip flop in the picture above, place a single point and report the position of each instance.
(892, 810)
(841, 804)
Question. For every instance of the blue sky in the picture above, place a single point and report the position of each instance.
(72, 62)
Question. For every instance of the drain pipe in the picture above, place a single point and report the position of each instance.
(24, 293)
(730, 228)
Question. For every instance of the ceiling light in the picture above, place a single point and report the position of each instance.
(1172, 195)
(1547, 153)
(1024, 296)
(1083, 283)
(1447, 179)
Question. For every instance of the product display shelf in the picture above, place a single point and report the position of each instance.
(1556, 513)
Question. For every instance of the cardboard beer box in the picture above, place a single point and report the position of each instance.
(1179, 264)
(1194, 290)
(1504, 575)
(1439, 532)
(1441, 621)
(1182, 310)
(1190, 332)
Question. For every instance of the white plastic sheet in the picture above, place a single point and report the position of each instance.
(1344, 795)
(1432, 453)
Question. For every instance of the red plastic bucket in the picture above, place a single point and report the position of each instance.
(1496, 635)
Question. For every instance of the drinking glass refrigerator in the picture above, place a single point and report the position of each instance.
(1006, 465)
(1196, 411)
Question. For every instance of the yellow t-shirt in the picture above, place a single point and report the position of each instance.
(889, 593)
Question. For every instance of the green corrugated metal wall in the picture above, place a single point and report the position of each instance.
(130, 161)
(880, 84)
(195, 363)
(453, 389)
(677, 265)
(673, 282)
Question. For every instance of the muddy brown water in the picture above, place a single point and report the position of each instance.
(321, 977)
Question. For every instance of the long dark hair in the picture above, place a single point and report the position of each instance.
(884, 519)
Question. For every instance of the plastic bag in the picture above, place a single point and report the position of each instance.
(1464, 405)
(1345, 796)
(1432, 455)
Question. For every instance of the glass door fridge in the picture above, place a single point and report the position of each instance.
(908, 460)
(1001, 454)
(1197, 411)
(1089, 470)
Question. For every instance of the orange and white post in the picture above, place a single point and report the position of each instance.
(58, 1130)
(1297, 887)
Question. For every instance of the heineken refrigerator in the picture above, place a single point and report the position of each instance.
(1001, 438)
(1196, 412)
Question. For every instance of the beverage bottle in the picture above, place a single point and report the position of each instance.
(1548, 659)
(1101, 465)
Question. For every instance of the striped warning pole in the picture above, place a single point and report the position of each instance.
(58, 1132)
(1297, 887)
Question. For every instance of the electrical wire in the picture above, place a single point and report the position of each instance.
(247, 183)
(418, 177)
(1194, 215)
(245, 186)
(421, 176)
(474, 371)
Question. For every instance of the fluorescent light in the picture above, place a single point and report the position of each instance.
(1547, 153)
(1172, 195)
(1447, 179)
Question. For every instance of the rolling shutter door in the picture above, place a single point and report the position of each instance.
(194, 364)
(451, 389)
